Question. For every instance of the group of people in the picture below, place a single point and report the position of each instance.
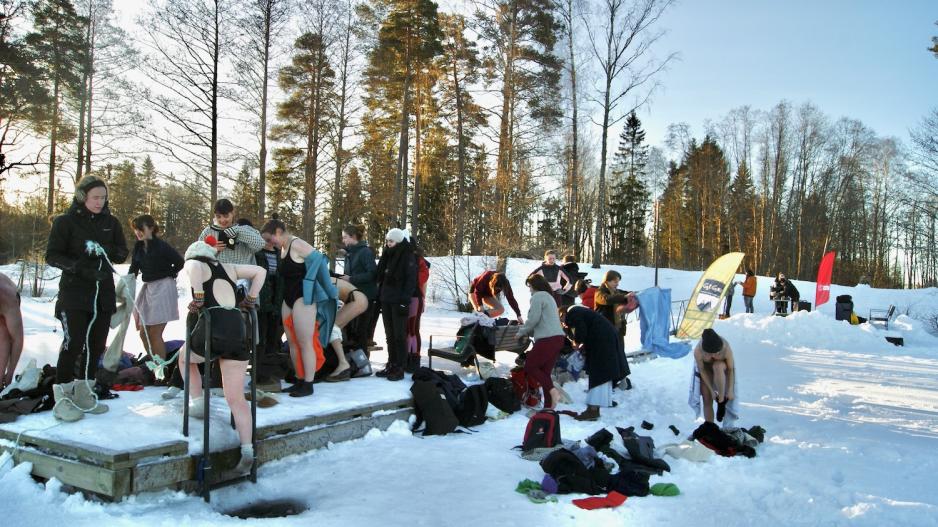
(232, 269)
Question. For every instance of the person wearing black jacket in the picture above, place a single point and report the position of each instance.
(83, 243)
(397, 280)
(360, 270)
(600, 344)
(269, 321)
(157, 301)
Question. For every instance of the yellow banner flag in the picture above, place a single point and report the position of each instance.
(709, 291)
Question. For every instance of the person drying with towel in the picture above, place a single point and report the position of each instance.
(715, 373)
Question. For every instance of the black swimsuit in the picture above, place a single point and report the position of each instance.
(293, 274)
(226, 322)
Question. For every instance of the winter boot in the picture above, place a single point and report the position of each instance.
(247, 460)
(197, 408)
(361, 366)
(591, 414)
(65, 409)
(85, 399)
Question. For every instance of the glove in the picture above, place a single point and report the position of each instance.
(232, 235)
(194, 306)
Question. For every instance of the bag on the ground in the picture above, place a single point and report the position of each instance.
(502, 394)
(451, 385)
(543, 431)
(526, 389)
(473, 402)
(432, 409)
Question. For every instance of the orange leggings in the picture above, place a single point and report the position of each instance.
(317, 347)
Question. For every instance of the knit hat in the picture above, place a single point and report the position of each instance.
(397, 235)
(85, 185)
(201, 249)
(710, 341)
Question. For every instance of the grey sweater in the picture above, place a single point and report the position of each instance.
(542, 321)
(249, 241)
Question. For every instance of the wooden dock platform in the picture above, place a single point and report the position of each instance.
(138, 445)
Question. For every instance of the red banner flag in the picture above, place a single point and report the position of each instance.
(823, 292)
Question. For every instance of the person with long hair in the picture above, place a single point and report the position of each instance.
(213, 288)
(309, 304)
(397, 279)
(543, 324)
(84, 243)
(610, 301)
(156, 302)
(485, 290)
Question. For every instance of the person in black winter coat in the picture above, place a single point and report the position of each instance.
(397, 281)
(361, 271)
(783, 289)
(86, 288)
(157, 300)
(603, 350)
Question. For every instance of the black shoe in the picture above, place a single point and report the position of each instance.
(396, 374)
(413, 362)
(303, 390)
(721, 411)
(294, 387)
(384, 373)
(103, 393)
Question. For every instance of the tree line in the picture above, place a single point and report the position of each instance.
(484, 131)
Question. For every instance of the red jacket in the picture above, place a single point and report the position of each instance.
(480, 288)
(588, 298)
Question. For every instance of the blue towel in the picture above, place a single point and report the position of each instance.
(655, 318)
(319, 289)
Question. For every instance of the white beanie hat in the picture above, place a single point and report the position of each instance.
(397, 235)
(202, 249)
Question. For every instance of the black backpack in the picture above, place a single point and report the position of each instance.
(502, 395)
(451, 385)
(473, 402)
(543, 431)
(432, 408)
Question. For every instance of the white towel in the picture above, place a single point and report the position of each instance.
(695, 400)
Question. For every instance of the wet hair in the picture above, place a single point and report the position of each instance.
(749, 272)
(539, 283)
(549, 252)
(244, 222)
(145, 220)
(272, 225)
(569, 258)
(223, 206)
(581, 286)
(498, 282)
(355, 231)
(611, 275)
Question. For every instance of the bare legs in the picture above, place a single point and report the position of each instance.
(232, 380)
(304, 325)
(719, 385)
(152, 337)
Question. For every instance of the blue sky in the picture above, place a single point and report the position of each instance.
(863, 59)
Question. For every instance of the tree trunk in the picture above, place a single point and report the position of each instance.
(400, 186)
(53, 143)
(89, 46)
(601, 213)
(214, 111)
(461, 166)
(415, 208)
(262, 155)
(573, 237)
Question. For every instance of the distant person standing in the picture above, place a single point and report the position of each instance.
(749, 290)
(558, 279)
(157, 301)
(728, 300)
(397, 279)
(236, 244)
(11, 330)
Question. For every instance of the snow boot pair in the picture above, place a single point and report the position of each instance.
(74, 399)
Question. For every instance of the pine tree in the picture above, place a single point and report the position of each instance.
(283, 184)
(741, 211)
(57, 42)
(305, 116)
(632, 156)
(245, 193)
(628, 199)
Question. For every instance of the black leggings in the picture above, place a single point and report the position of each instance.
(73, 361)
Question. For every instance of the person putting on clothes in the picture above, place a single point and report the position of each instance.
(716, 372)
(213, 288)
(485, 290)
(309, 304)
(602, 347)
(543, 323)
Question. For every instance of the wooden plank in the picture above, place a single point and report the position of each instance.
(97, 454)
(93, 478)
(343, 415)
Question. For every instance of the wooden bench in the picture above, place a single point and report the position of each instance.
(882, 315)
(506, 339)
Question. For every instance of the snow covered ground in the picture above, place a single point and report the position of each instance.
(851, 420)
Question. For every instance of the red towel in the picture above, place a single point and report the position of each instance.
(609, 501)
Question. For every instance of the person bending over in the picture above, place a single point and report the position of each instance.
(716, 370)
(543, 324)
(485, 290)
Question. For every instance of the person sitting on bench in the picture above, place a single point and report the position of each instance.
(213, 287)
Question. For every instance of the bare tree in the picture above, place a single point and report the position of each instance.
(185, 41)
(261, 24)
(621, 46)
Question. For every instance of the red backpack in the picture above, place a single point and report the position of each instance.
(527, 389)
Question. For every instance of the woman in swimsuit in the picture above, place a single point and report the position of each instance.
(213, 287)
(300, 318)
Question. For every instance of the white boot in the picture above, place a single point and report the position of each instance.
(65, 409)
(197, 408)
(247, 460)
(171, 393)
(85, 398)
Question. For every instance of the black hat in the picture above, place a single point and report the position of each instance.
(710, 342)
(85, 185)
